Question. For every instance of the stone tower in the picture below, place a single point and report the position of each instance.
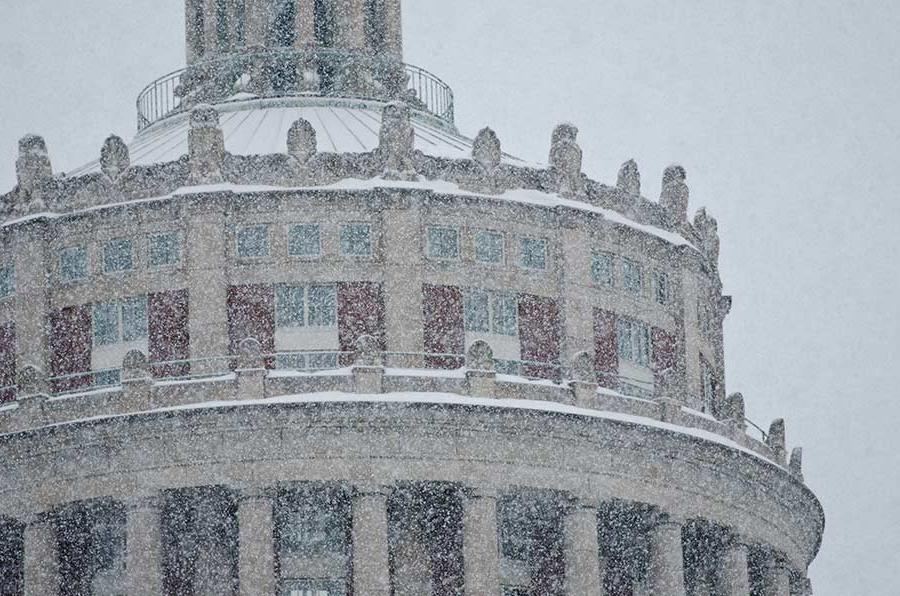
(301, 336)
(215, 28)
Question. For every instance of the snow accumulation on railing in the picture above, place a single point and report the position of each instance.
(141, 385)
(282, 72)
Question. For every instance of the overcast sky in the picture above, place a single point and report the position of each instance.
(785, 114)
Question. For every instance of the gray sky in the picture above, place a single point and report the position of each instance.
(785, 114)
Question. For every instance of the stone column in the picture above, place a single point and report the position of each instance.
(41, 558)
(210, 29)
(777, 578)
(257, 23)
(205, 244)
(481, 545)
(351, 24)
(32, 296)
(577, 303)
(735, 570)
(403, 280)
(144, 548)
(256, 537)
(371, 571)
(393, 29)
(582, 552)
(665, 573)
(305, 23)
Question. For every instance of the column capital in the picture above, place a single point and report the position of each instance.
(481, 492)
(371, 489)
(150, 501)
(663, 518)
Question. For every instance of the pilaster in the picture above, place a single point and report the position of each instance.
(665, 573)
(41, 557)
(481, 546)
(582, 552)
(256, 537)
(144, 547)
(371, 571)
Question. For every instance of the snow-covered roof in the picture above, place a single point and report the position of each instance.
(260, 127)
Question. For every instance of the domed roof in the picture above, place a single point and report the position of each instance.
(254, 126)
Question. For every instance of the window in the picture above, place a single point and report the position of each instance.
(165, 249)
(632, 276)
(72, 264)
(633, 342)
(313, 587)
(105, 322)
(602, 271)
(118, 256)
(489, 247)
(443, 243)
(534, 253)
(253, 242)
(7, 280)
(487, 312)
(322, 306)
(304, 241)
(299, 306)
(134, 318)
(313, 530)
(662, 287)
(119, 321)
(356, 240)
(290, 309)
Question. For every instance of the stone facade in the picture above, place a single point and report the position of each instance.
(372, 373)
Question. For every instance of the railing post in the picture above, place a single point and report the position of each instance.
(368, 367)
(137, 381)
(481, 376)
(33, 393)
(250, 371)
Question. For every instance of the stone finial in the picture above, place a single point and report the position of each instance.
(708, 229)
(250, 354)
(486, 149)
(796, 462)
(397, 142)
(31, 381)
(301, 141)
(583, 368)
(206, 146)
(776, 439)
(630, 178)
(675, 194)
(480, 356)
(114, 157)
(33, 168)
(135, 366)
(566, 158)
(368, 351)
(736, 408)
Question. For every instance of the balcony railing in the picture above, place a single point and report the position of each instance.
(286, 72)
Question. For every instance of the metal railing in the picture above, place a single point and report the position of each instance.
(286, 72)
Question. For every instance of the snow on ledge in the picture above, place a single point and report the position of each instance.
(437, 399)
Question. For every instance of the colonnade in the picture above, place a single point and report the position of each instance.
(585, 566)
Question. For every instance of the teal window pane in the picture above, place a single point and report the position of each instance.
(322, 306)
(356, 240)
(134, 318)
(105, 323)
(304, 241)
(443, 243)
(477, 311)
(253, 241)
(534, 253)
(602, 269)
(506, 315)
(165, 249)
(118, 255)
(72, 264)
(290, 309)
(489, 247)
(7, 280)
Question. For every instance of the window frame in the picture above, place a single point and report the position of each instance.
(310, 309)
(8, 282)
(637, 348)
(626, 278)
(290, 241)
(371, 243)
(239, 240)
(497, 234)
(176, 235)
(523, 241)
(131, 256)
(491, 305)
(596, 256)
(430, 245)
(662, 290)
(61, 256)
(120, 319)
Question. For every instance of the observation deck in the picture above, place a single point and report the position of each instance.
(288, 72)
